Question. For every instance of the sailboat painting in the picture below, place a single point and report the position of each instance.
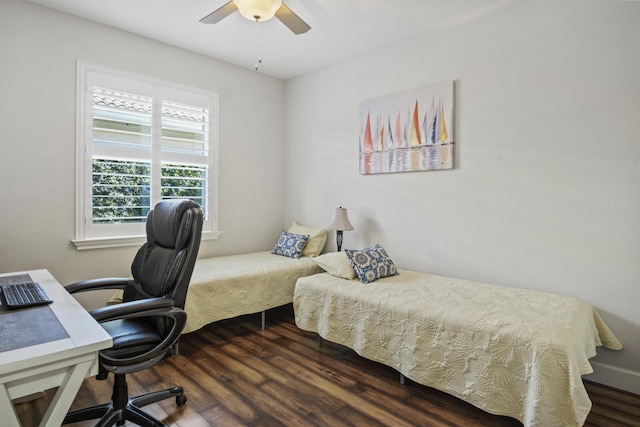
(408, 131)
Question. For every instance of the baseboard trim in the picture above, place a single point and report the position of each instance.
(612, 376)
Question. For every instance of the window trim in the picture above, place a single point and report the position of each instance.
(84, 241)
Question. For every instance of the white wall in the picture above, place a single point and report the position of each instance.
(546, 191)
(39, 49)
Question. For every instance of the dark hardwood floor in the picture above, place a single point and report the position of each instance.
(234, 374)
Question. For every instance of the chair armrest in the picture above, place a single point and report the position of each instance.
(150, 307)
(127, 310)
(96, 284)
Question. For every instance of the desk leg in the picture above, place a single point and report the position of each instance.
(8, 411)
(66, 393)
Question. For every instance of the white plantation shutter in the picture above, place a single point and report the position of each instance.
(121, 165)
(185, 152)
(121, 119)
(140, 141)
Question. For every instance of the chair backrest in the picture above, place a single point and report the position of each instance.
(164, 264)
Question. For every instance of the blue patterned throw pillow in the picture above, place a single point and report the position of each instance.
(290, 245)
(371, 264)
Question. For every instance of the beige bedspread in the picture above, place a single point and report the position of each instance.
(230, 286)
(507, 351)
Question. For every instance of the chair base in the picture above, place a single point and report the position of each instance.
(122, 408)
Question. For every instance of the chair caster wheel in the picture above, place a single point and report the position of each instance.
(181, 400)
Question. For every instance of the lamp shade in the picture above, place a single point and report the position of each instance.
(258, 10)
(340, 220)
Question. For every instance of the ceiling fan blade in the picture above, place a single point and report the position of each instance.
(291, 20)
(220, 13)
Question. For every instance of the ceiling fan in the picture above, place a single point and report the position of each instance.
(259, 10)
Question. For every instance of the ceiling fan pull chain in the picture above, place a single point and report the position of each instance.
(258, 56)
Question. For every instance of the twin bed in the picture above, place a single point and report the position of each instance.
(234, 285)
(508, 351)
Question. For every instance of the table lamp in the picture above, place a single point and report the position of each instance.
(339, 222)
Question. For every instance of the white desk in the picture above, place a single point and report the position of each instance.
(63, 363)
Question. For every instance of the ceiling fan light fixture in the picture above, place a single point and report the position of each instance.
(258, 10)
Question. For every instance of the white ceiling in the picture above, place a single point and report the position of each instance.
(339, 28)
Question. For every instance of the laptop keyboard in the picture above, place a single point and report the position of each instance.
(24, 295)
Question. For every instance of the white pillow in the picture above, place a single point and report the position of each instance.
(337, 264)
(317, 238)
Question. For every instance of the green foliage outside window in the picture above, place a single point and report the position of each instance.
(121, 190)
(187, 182)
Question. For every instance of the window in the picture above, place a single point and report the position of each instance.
(140, 141)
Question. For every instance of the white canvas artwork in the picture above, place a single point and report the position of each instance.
(408, 131)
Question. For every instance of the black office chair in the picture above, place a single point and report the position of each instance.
(149, 321)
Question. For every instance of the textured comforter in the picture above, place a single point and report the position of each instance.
(230, 286)
(508, 351)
